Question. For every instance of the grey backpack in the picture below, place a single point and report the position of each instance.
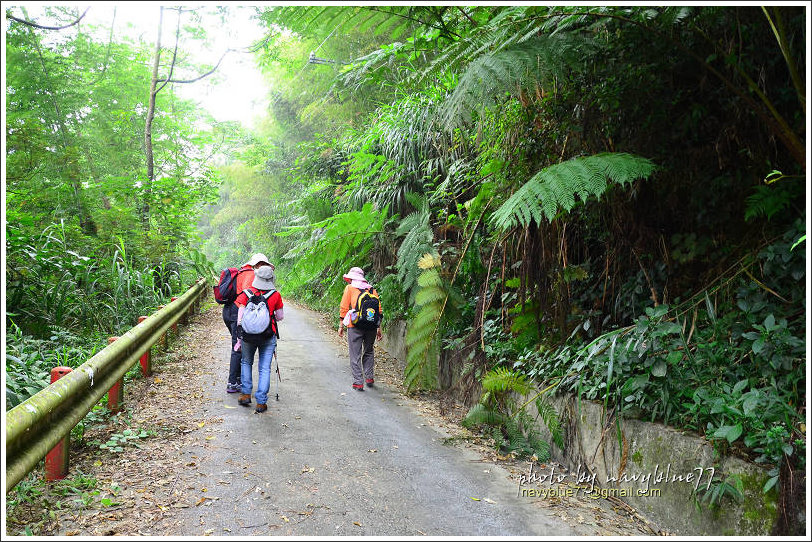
(256, 319)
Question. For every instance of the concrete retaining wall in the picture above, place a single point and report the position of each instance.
(640, 455)
(637, 455)
(394, 341)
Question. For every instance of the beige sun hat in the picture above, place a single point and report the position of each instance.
(256, 258)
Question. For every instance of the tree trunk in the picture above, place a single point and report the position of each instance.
(147, 192)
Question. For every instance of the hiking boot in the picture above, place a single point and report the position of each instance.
(245, 399)
(370, 382)
(358, 387)
(261, 407)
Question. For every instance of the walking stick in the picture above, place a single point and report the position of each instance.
(278, 375)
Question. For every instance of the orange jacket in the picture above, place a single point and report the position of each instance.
(348, 300)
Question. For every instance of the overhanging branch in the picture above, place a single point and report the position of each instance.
(35, 25)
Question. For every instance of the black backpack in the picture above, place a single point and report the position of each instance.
(367, 310)
(225, 291)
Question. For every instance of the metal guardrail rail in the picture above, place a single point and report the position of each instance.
(39, 423)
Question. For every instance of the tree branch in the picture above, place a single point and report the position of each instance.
(35, 25)
(109, 44)
(174, 55)
(214, 69)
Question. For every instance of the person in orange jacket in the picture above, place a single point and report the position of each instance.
(361, 340)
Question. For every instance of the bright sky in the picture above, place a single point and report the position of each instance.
(235, 92)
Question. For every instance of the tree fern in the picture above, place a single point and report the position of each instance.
(497, 409)
(504, 380)
(422, 340)
(556, 187)
(335, 241)
(492, 76)
(418, 241)
(549, 416)
(480, 414)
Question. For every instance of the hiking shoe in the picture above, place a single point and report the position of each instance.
(261, 407)
(233, 388)
(245, 399)
(370, 382)
(358, 387)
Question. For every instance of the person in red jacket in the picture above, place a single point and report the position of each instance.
(230, 311)
(263, 342)
(361, 341)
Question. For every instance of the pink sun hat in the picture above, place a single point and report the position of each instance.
(356, 273)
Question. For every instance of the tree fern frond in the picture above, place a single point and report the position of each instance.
(554, 188)
(479, 414)
(549, 416)
(334, 240)
(421, 334)
(491, 76)
(504, 380)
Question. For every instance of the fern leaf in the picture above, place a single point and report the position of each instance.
(421, 334)
(492, 76)
(549, 416)
(555, 187)
(480, 414)
(505, 380)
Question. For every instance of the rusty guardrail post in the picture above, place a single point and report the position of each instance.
(57, 460)
(146, 359)
(115, 397)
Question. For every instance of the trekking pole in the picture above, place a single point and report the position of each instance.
(278, 374)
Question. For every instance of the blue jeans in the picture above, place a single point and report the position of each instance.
(266, 350)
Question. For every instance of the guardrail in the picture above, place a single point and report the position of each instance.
(40, 423)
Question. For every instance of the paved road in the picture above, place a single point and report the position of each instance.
(326, 460)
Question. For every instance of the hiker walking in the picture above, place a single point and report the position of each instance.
(361, 314)
(260, 310)
(238, 279)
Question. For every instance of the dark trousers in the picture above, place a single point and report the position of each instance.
(362, 354)
(230, 312)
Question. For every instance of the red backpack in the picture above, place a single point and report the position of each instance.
(225, 291)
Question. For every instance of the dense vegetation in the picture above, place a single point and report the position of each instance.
(603, 200)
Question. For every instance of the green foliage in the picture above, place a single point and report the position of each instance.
(731, 488)
(422, 339)
(735, 371)
(335, 244)
(556, 187)
(532, 64)
(768, 201)
(118, 441)
(29, 360)
(417, 242)
(511, 426)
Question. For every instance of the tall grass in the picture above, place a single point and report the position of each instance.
(62, 305)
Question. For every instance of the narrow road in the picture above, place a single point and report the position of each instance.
(327, 460)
